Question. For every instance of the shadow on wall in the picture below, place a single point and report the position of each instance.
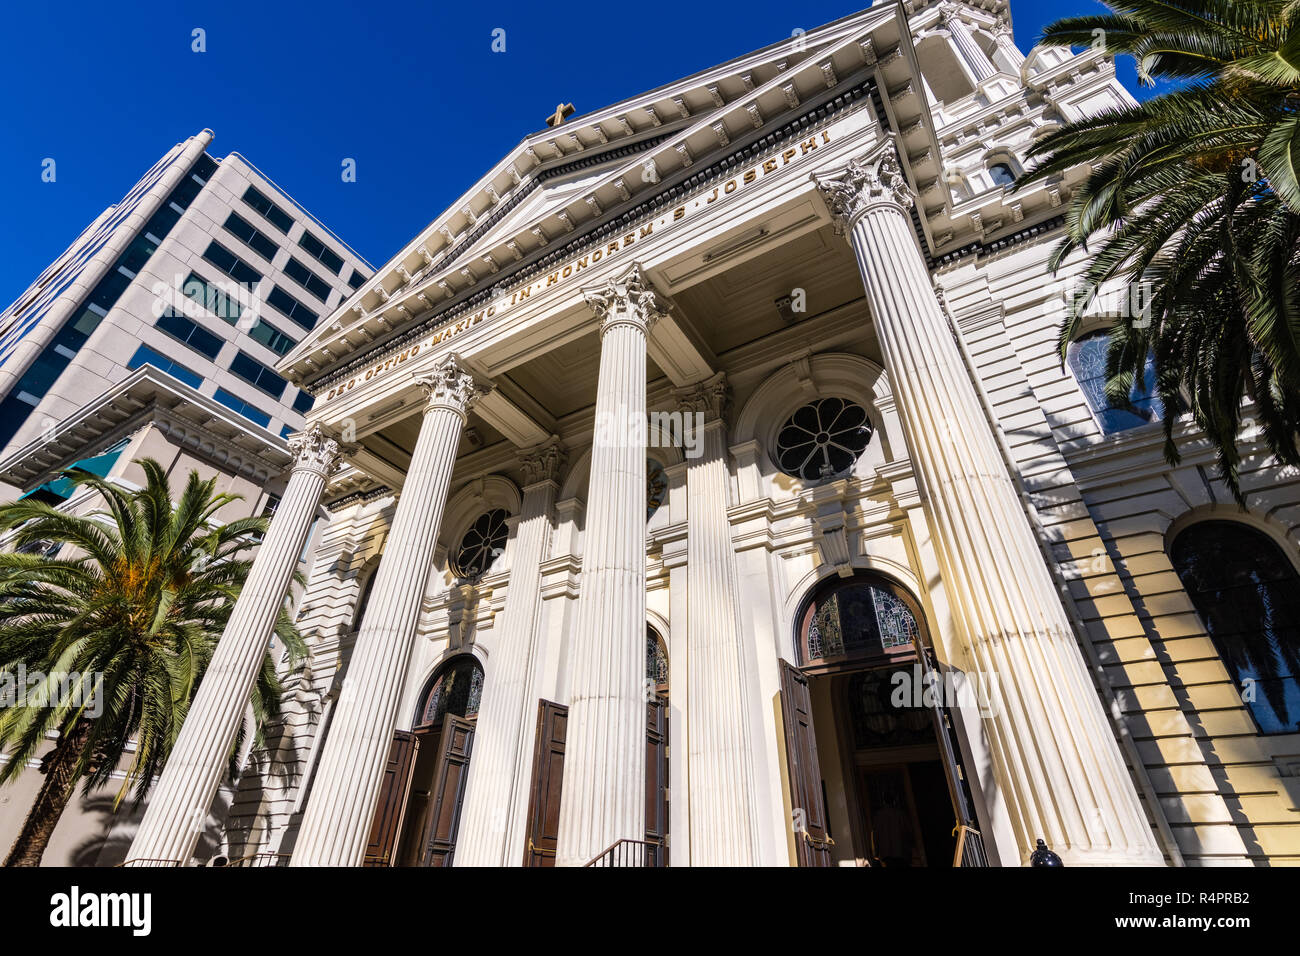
(110, 846)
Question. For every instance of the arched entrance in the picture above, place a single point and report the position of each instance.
(875, 770)
(419, 808)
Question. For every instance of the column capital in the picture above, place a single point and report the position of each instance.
(711, 397)
(543, 462)
(872, 179)
(315, 451)
(627, 299)
(449, 384)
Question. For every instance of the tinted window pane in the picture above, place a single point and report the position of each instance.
(237, 404)
(147, 356)
(292, 308)
(1247, 594)
(257, 374)
(197, 338)
(271, 337)
(273, 213)
(1087, 359)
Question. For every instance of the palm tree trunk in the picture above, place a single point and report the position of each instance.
(60, 778)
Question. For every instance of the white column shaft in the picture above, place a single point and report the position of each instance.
(724, 818)
(604, 799)
(337, 821)
(493, 823)
(179, 802)
(969, 50)
(1065, 778)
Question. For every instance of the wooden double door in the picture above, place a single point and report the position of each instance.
(548, 784)
(423, 792)
(888, 792)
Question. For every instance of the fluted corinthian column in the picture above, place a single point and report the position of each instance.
(336, 824)
(974, 57)
(723, 814)
(1056, 760)
(604, 798)
(492, 825)
(180, 800)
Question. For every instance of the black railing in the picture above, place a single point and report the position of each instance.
(631, 853)
(261, 859)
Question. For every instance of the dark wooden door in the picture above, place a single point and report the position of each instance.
(448, 792)
(807, 801)
(656, 781)
(548, 779)
(410, 848)
(391, 809)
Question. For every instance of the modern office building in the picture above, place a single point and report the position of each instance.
(887, 582)
(155, 335)
(205, 270)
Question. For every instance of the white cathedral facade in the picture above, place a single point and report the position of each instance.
(705, 487)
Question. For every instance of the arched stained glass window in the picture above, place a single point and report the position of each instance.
(862, 618)
(1087, 357)
(482, 544)
(656, 660)
(823, 439)
(1247, 593)
(455, 689)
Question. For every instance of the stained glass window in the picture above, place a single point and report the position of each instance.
(656, 487)
(456, 690)
(482, 545)
(1247, 594)
(1087, 358)
(656, 659)
(823, 439)
(858, 619)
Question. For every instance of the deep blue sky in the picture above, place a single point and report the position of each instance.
(411, 91)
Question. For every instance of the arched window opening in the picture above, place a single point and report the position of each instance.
(866, 619)
(656, 662)
(1087, 358)
(1247, 593)
(364, 600)
(455, 689)
(1002, 175)
(656, 487)
(823, 439)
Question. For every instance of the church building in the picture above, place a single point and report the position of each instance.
(705, 487)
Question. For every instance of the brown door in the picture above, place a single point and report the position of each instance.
(806, 798)
(656, 782)
(415, 827)
(448, 793)
(548, 777)
(390, 810)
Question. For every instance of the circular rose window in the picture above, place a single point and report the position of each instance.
(823, 439)
(482, 545)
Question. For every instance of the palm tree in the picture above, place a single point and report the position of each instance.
(1195, 195)
(117, 612)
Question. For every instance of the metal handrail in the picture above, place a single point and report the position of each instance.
(261, 859)
(147, 861)
(630, 853)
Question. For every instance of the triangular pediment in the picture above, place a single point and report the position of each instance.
(561, 184)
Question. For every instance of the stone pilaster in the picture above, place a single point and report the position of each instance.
(336, 824)
(493, 824)
(723, 814)
(179, 802)
(1058, 763)
(974, 57)
(604, 772)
